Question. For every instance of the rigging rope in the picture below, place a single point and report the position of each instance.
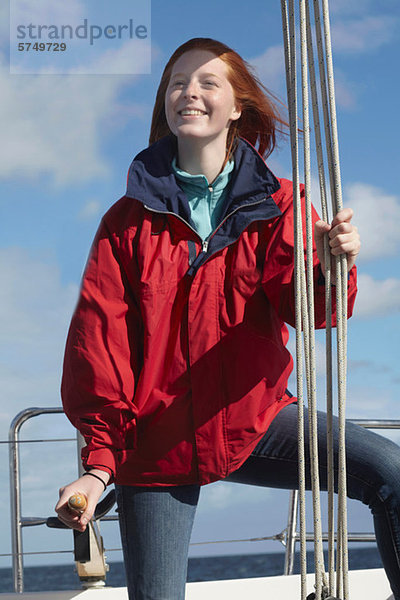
(304, 286)
(288, 26)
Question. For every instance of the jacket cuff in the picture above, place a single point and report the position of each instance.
(100, 458)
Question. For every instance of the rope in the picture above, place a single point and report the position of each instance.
(288, 26)
(277, 536)
(312, 391)
(304, 292)
(341, 303)
(328, 301)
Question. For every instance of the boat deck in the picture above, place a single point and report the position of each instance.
(364, 585)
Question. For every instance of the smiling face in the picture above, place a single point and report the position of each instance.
(199, 101)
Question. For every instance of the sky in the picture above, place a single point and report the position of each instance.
(67, 142)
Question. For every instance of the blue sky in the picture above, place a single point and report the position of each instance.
(67, 142)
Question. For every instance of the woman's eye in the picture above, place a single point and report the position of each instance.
(210, 83)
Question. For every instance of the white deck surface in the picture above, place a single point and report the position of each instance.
(364, 585)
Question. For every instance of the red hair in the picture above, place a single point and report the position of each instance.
(259, 121)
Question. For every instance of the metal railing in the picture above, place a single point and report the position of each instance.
(288, 537)
(17, 521)
(293, 536)
(87, 545)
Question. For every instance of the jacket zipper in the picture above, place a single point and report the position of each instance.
(168, 212)
(204, 243)
(204, 246)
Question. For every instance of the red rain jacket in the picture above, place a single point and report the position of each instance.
(175, 362)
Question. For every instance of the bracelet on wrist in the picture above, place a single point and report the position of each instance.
(97, 477)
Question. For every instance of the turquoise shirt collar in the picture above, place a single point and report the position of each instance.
(199, 183)
(205, 200)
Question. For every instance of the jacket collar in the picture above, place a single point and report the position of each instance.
(198, 185)
(151, 179)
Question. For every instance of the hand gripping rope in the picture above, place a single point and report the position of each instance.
(324, 586)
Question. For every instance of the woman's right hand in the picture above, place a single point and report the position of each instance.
(92, 488)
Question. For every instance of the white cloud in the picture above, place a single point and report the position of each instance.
(90, 210)
(377, 216)
(31, 296)
(222, 494)
(39, 12)
(46, 11)
(129, 58)
(355, 34)
(345, 7)
(377, 297)
(51, 125)
(344, 91)
(362, 34)
(270, 68)
(54, 124)
(363, 403)
(35, 309)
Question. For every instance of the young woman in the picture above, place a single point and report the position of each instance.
(176, 367)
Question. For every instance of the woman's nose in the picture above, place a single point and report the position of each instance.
(191, 90)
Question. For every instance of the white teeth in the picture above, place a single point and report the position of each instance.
(192, 112)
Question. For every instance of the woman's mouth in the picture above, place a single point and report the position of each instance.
(191, 112)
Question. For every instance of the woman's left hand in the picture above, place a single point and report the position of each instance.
(343, 237)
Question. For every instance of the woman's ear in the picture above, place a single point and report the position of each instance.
(236, 112)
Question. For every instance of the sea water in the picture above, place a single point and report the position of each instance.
(64, 577)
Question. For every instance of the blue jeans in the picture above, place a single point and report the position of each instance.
(156, 523)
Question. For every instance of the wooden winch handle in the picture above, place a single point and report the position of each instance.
(77, 502)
